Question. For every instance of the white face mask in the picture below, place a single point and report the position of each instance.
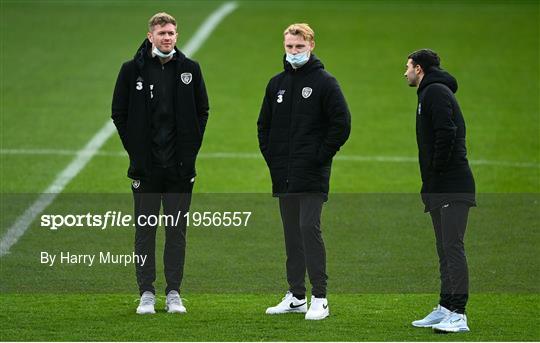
(156, 52)
(299, 59)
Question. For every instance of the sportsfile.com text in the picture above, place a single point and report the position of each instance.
(118, 219)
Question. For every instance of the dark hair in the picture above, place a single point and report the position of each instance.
(427, 59)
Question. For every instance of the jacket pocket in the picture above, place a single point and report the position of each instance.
(186, 169)
(135, 171)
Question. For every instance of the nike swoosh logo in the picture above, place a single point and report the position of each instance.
(325, 306)
(291, 305)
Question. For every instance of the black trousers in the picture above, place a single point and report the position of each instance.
(163, 186)
(304, 245)
(449, 223)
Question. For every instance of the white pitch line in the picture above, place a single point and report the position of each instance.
(249, 155)
(83, 156)
(208, 26)
(58, 152)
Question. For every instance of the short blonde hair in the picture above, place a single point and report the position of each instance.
(302, 29)
(160, 19)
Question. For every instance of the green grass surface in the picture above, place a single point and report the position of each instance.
(62, 96)
(225, 317)
(59, 62)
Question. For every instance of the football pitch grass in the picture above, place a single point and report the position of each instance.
(232, 317)
(56, 89)
(381, 261)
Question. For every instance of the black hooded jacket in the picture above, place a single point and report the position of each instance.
(440, 135)
(132, 115)
(303, 122)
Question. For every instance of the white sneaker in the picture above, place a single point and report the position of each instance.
(174, 303)
(435, 317)
(146, 304)
(289, 304)
(318, 309)
(454, 322)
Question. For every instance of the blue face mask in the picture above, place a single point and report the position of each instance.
(299, 59)
(156, 52)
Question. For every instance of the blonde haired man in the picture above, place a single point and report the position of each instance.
(160, 108)
(301, 29)
(303, 122)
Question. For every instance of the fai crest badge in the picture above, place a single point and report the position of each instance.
(136, 183)
(306, 92)
(186, 78)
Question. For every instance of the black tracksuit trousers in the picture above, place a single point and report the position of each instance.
(162, 187)
(301, 217)
(449, 223)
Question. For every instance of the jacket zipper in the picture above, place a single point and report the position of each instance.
(290, 129)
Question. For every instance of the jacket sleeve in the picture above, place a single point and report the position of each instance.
(440, 106)
(339, 122)
(201, 101)
(264, 123)
(120, 105)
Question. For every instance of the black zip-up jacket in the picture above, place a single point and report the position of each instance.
(131, 112)
(304, 120)
(440, 135)
(163, 77)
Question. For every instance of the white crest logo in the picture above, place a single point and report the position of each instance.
(186, 78)
(306, 92)
(139, 85)
(419, 108)
(136, 183)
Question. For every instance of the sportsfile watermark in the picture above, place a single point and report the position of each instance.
(114, 219)
(384, 236)
(103, 257)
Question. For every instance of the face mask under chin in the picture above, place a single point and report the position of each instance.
(157, 52)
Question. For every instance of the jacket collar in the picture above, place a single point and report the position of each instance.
(143, 54)
(438, 75)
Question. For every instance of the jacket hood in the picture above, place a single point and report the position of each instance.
(312, 64)
(439, 76)
(143, 53)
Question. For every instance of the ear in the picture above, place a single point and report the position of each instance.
(312, 45)
(149, 36)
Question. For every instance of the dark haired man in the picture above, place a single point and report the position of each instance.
(447, 183)
(160, 108)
